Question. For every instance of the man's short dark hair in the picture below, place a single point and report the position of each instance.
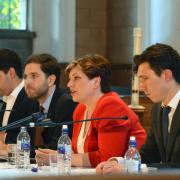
(48, 64)
(8, 59)
(160, 57)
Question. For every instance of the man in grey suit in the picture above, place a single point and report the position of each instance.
(158, 69)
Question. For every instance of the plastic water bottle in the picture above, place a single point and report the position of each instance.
(23, 149)
(64, 153)
(132, 157)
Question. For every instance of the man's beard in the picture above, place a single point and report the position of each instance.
(39, 94)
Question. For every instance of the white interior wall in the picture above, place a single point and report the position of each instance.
(54, 24)
(160, 22)
(143, 19)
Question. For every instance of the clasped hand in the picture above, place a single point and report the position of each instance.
(42, 156)
(109, 167)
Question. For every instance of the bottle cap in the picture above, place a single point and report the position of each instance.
(64, 126)
(23, 128)
(132, 138)
(32, 124)
(34, 169)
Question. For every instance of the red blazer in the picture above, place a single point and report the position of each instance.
(107, 138)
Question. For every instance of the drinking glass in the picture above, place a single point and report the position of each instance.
(12, 154)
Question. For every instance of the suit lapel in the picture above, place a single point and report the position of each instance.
(51, 110)
(16, 105)
(175, 128)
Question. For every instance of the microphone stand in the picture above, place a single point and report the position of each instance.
(42, 120)
(50, 123)
(35, 116)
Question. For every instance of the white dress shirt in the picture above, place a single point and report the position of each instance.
(10, 100)
(173, 104)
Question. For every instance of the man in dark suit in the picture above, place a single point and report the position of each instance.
(42, 75)
(14, 97)
(159, 73)
(158, 69)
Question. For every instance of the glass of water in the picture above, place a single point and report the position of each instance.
(53, 164)
(12, 154)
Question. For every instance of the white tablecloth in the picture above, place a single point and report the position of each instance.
(9, 171)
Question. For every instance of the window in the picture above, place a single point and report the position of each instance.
(13, 14)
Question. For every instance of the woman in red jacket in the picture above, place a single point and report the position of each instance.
(98, 140)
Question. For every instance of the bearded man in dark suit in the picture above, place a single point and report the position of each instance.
(42, 81)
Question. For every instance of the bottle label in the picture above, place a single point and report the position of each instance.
(66, 149)
(133, 166)
(61, 150)
(25, 146)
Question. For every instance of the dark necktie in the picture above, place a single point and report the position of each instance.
(39, 130)
(165, 123)
(41, 109)
(2, 110)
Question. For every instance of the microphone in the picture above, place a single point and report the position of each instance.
(49, 123)
(3, 110)
(25, 121)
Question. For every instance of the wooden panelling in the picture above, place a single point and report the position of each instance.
(145, 117)
(121, 75)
